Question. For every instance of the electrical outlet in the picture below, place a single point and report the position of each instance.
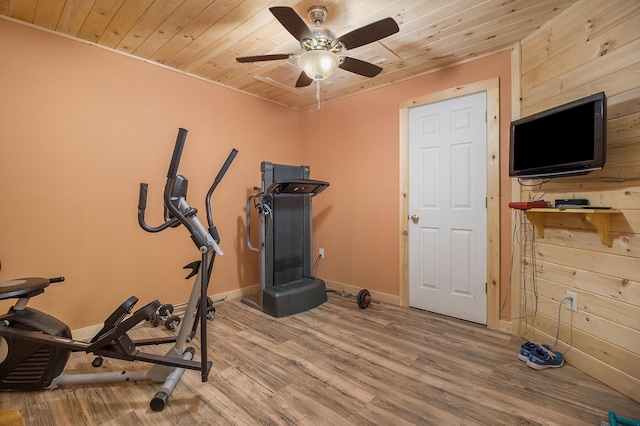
(572, 301)
(321, 253)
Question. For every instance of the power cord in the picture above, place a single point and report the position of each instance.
(508, 289)
(315, 265)
(558, 329)
(528, 247)
(521, 226)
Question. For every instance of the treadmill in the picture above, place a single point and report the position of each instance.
(287, 284)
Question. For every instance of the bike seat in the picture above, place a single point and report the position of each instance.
(23, 287)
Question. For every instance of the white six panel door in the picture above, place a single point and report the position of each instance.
(447, 206)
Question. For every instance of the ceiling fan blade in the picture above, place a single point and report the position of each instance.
(292, 22)
(369, 33)
(357, 66)
(304, 80)
(261, 58)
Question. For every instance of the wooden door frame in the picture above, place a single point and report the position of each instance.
(492, 87)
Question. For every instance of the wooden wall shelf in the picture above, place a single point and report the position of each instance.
(599, 218)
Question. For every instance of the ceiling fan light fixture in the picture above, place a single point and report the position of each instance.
(318, 64)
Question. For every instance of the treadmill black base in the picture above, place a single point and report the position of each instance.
(294, 297)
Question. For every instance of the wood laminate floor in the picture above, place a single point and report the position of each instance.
(338, 365)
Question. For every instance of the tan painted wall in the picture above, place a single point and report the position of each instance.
(80, 128)
(101, 123)
(587, 49)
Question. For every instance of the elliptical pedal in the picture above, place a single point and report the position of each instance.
(117, 316)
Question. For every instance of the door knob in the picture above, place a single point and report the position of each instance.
(415, 218)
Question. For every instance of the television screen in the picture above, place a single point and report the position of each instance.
(566, 140)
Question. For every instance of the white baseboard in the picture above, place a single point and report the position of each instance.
(87, 333)
(377, 296)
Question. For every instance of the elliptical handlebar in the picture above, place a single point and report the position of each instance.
(142, 205)
(197, 235)
(212, 229)
(177, 153)
(171, 175)
(176, 210)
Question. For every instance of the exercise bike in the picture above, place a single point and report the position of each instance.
(35, 346)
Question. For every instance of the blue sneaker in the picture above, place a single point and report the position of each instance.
(527, 348)
(542, 358)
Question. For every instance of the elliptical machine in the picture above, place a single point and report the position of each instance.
(35, 347)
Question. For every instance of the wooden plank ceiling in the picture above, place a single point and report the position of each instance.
(203, 37)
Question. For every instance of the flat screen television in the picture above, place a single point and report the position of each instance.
(567, 140)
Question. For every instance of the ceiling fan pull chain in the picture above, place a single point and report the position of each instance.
(318, 91)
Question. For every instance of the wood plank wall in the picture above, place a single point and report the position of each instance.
(593, 46)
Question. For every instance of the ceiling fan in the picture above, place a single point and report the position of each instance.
(321, 47)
